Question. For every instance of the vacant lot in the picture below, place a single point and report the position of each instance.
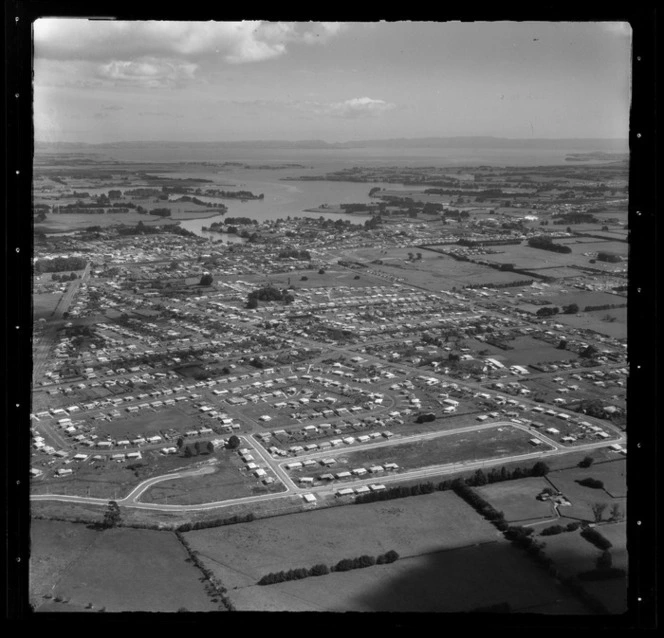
(582, 498)
(446, 581)
(241, 554)
(119, 569)
(517, 499)
(455, 448)
(229, 480)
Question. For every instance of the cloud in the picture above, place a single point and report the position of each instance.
(149, 72)
(112, 107)
(352, 108)
(233, 42)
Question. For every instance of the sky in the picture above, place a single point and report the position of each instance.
(108, 81)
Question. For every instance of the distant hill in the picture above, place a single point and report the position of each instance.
(600, 144)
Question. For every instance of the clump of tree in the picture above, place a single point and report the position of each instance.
(595, 484)
(586, 461)
(269, 293)
(548, 311)
(112, 515)
(596, 538)
(570, 309)
(545, 242)
(60, 264)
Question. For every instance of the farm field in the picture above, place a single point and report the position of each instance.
(54, 546)
(241, 554)
(455, 448)
(582, 498)
(117, 569)
(517, 499)
(446, 581)
(572, 554)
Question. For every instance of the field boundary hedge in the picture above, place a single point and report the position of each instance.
(344, 565)
(214, 587)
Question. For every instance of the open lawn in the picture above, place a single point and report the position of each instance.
(67, 222)
(241, 554)
(517, 499)
(454, 448)
(117, 569)
(445, 581)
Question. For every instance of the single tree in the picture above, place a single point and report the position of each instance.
(598, 511)
(206, 279)
(616, 513)
(112, 516)
(587, 461)
(210, 447)
(233, 442)
(187, 452)
(180, 443)
(197, 447)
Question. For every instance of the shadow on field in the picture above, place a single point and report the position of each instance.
(493, 577)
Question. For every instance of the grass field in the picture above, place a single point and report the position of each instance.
(149, 422)
(230, 480)
(118, 569)
(527, 350)
(454, 448)
(596, 322)
(44, 304)
(332, 277)
(448, 581)
(241, 554)
(517, 499)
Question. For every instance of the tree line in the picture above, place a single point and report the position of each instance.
(344, 565)
(479, 478)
